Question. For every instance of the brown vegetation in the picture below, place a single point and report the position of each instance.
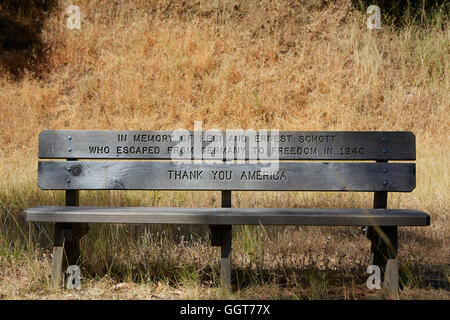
(289, 65)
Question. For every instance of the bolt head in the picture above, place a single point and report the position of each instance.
(76, 170)
(384, 170)
(384, 150)
(68, 180)
(69, 149)
(385, 182)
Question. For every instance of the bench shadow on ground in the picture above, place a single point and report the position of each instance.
(414, 273)
(308, 282)
(408, 234)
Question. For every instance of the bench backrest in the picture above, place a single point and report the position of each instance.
(115, 149)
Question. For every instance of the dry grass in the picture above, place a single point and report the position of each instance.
(148, 65)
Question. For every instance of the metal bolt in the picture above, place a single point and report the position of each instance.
(385, 182)
(383, 139)
(76, 170)
(69, 137)
(68, 180)
(68, 169)
(384, 150)
(384, 170)
(69, 149)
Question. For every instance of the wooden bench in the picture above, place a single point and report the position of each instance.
(164, 173)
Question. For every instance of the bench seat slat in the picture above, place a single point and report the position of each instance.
(230, 216)
(167, 175)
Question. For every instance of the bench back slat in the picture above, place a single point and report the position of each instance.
(292, 145)
(172, 175)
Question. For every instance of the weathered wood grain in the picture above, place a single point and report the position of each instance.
(231, 216)
(289, 145)
(389, 265)
(57, 266)
(169, 175)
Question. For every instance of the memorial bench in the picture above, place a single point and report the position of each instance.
(161, 172)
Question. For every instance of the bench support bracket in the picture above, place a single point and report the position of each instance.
(66, 246)
(221, 237)
(384, 247)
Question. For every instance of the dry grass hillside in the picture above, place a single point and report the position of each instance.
(288, 65)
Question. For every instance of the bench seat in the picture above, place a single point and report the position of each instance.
(230, 216)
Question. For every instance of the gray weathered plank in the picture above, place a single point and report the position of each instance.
(291, 145)
(171, 175)
(390, 267)
(57, 266)
(231, 216)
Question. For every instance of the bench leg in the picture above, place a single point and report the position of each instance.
(66, 248)
(384, 247)
(57, 260)
(216, 235)
(225, 261)
(221, 237)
